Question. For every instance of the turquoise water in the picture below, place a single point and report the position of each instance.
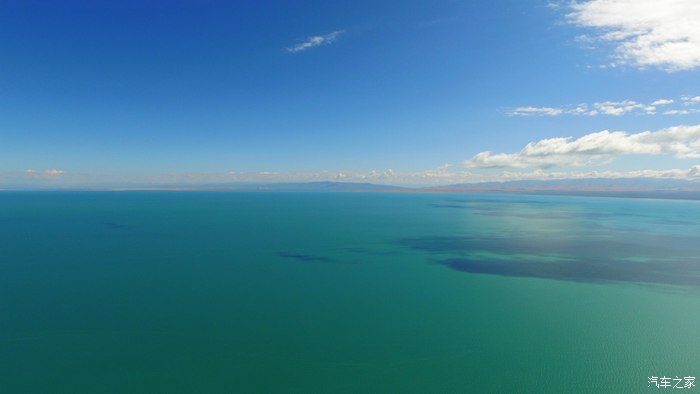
(168, 292)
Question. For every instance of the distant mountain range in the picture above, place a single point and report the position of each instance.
(238, 186)
(320, 186)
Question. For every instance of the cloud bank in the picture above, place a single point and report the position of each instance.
(595, 149)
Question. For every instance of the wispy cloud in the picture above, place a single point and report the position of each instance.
(646, 33)
(315, 41)
(610, 108)
(682, 111)
(530, 111)
(43, 173)
(595, 149)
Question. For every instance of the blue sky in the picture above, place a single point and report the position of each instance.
(404, 92)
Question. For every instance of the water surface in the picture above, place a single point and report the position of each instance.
(170, 292)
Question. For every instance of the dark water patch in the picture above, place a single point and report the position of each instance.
(306, 257)
(668, 273)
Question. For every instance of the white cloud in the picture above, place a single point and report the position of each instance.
(595, 148)
(315, 41)
(646, 33)
(617, 108)
(528, 111)
(661, 102)
(581, 109)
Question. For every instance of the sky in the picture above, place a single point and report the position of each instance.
(395, 92)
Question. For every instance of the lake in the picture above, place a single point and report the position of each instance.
(168, 292)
